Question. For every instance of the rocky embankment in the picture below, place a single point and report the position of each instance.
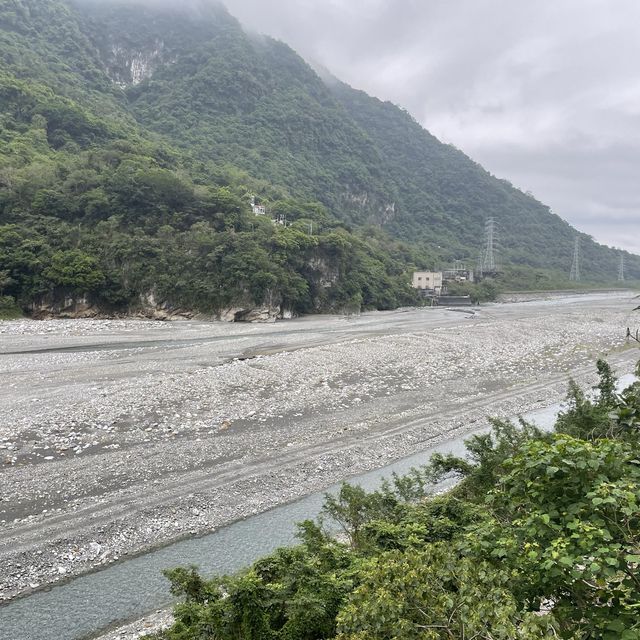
(152, 623)
(77, 308)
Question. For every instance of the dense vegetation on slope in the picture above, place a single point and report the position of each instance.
(239, 98)
(92, 205)
(444, 195)
(540, 539)
(131, 139)
(244, 100)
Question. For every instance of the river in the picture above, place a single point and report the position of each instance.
(132, 588)
(117, 432)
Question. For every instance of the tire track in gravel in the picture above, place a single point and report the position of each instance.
(85, 519)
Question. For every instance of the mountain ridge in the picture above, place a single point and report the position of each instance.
(122, 121)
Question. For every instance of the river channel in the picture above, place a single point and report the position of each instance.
(182, 428)
(132, 588)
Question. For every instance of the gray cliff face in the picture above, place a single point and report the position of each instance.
(325, 273)
(73, 306)
(134, 38)
(127, 67)
(380, 212)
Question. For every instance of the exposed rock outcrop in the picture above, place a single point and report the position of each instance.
(82, 306)
(64, 307)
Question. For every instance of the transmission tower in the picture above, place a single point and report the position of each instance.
(575, 265)
(621, 269)
(489, 259)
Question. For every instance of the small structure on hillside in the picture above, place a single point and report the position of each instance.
(432, 286)
(258, 209)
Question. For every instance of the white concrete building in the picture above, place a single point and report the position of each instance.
(258, 209)
(427, 280)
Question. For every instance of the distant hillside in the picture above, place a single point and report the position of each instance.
(253, 102)
(131, 140)
(445, 197)
(248, 101)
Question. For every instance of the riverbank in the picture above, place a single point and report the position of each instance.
(153, 623)
(536, 295)
(202, 438)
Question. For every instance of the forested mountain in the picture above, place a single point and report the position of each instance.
(132, 137)
(446, 197)
(249, 101)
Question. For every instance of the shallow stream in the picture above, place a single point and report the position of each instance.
(134, 587)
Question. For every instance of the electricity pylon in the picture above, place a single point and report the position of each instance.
(575, 265)
(489, 258)
(621, 269)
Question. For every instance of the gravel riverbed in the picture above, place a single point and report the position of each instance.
(120, 435)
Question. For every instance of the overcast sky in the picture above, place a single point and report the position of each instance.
(545, 93)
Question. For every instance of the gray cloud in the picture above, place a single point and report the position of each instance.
(545, 94)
